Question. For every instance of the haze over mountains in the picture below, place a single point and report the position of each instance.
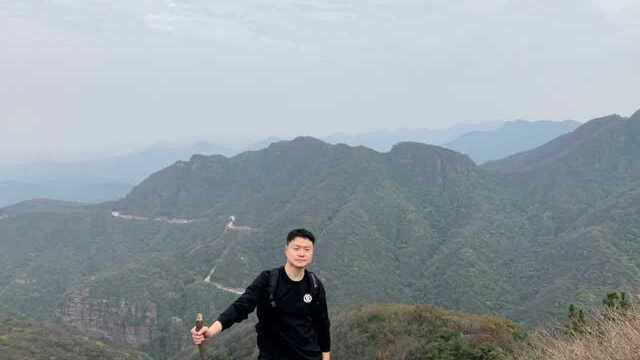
(93, 181)
(521, 237)
(482, 142)
(510, 138)
(383, 140)
(111, 178)
(313, 66)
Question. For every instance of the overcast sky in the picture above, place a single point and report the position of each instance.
(84, 77)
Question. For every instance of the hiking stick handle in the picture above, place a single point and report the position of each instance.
(199, 325)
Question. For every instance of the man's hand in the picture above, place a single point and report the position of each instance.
(198, 336)
(214, 329)
(326, 356)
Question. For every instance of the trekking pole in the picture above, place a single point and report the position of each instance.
(199, 325)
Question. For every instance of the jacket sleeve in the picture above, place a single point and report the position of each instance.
(240, 309)
(322, 324)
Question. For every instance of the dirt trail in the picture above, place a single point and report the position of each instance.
(229, 227)
(163, 219)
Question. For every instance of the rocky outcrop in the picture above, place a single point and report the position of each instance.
(119, 321)
(429, 165)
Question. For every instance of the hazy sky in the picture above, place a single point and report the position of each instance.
(80, 77)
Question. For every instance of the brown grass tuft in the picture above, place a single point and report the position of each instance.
(611, 336)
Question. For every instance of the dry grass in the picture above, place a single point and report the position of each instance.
(610, 337)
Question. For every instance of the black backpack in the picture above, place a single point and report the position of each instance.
(274, 277)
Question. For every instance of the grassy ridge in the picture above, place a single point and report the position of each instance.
(608, 335)
(21, 340)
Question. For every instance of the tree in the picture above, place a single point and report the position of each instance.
(577, 322)
(615, 301)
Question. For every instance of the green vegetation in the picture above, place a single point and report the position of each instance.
(610, 332)
(410, 332)
(617, 301)
(614, 306)
(577, 320)
(21, 340)
(417, 225)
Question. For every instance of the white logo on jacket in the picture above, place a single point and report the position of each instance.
(307, 298)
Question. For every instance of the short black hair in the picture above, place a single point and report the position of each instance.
(303, 233)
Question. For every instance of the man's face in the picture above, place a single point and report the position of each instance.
(299, 252)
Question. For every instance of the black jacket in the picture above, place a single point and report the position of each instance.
(296, 327)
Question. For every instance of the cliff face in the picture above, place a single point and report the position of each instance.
(120, 322)
(430, 166)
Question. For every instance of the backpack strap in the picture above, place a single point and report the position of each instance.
(315, 287)
(274, 276)
(314, 281)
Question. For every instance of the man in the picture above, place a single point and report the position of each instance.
(293, 322)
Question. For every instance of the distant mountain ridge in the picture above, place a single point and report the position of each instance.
(262, 174)
(129, 168)
(112, 178)
(510, 138)
(41, 205)
(383, 140)
(93, 181)
(596, 160)
(81, 190)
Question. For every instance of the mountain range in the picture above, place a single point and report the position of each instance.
(510, 138)
(93, 181)
(112, 177)
(522, 237)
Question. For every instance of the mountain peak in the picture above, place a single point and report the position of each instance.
(300, 141)
(635, 116)
(428, 164)
(602, 151)
(426, 152)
